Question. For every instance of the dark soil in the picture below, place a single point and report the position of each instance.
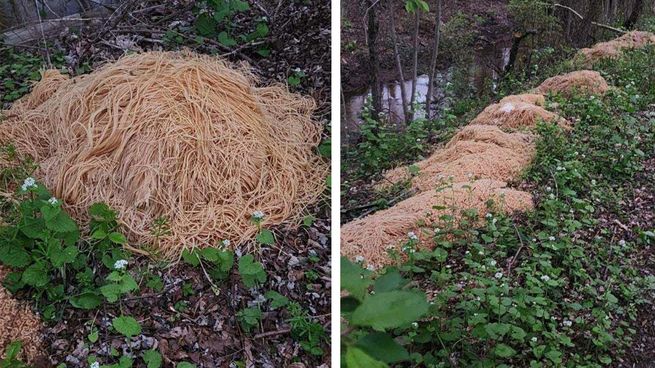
(207, 332)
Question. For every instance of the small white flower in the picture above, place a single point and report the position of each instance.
(415, 324)
(95, 365)
(28, 183)
(622, 243)
(488, 215)
(545, 278)
(551, 238)
(534, 339)
(498, 275)
(359, 259)
(492, 262)
(120, 264)
(593, 182)
(258, 215)
(567, 323)
(412, 235)
(548, 189)
(481, 253)
(53, 201)
(226, 243)
(370, 267)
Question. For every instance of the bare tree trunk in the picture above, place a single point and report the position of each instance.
(514, 51)
(634, 14)
(371, 39)
(399, 65)
(433, 60)
(412, 98)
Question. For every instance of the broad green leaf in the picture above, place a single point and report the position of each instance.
(152, 358)
(61, 223)
(252, 273)
(226, 40)
(266, 237)
(60, 257)
(88, 300)
(206, 25)
(127, 326)
(353, 279)
(277, 300)
(391, 309)
(504, 351)
(357, 358)
(117, 238)
(383, 347)
(391, 280)
(36, 275)
(14, 255)
(191, 257)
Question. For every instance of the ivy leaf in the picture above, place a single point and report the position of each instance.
(127, 326)
(391, 309)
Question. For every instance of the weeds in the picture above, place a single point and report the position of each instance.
(553, 288)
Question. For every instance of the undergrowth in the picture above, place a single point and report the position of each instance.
(553, 288)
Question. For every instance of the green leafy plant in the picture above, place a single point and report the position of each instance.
(152, 358)
(126, 326)
(42, 245)
(11, 356)
(311, 335)
(373, 307)
(252, 272)
(249, 318)
(215, 20)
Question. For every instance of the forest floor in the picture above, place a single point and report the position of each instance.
(181, 316)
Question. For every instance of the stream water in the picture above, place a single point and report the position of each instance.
(481, 73)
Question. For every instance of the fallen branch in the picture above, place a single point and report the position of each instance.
(605, 26)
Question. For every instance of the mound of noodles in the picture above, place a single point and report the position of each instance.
(176, 136)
